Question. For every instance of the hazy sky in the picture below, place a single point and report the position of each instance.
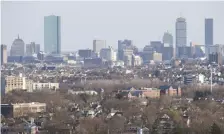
(81, 22)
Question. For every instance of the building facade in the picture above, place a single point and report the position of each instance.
(40, 86)
(184, 52)
(216, 53)
(167, 53)
(136, 60)
(3, 54)
(157, 46)
(3, 83)
(98, 45)
(52, 34)
(208, 32)
(32, 48)
(17, 48)
(18, 83)
(124, 44)
(23, 109)
(108, 54)
(168, 39)
(158, 57)
(15, 83)
(85, 53)
(181, 34)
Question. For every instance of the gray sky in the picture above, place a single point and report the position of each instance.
(81, 22)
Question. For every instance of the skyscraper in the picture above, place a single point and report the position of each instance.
(98, 45)
(32, 48)
(52, 34)
(168, 39)
(17, 48)
(125, 44)
(208, 32)
(108, 54)
(3, 54)
(181, 34)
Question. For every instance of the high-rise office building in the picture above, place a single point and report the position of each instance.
(208, 32)
(125, 44)
(157, 46)
(181, 34)
(32, 48)
(168, 39)
(108, 54)
(17, 48)
(98, 45)
(167, 53)
(216, 53)
(3, 54)
(85, 53)
(52, 34)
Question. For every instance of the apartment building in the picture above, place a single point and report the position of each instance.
(17, 83)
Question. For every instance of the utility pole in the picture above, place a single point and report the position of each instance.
(211, 79)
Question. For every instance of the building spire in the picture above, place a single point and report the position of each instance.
(18, 36)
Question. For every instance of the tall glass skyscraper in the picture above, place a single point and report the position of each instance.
(208, 32)
(52, 34)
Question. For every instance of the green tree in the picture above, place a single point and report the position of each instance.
(215, 129)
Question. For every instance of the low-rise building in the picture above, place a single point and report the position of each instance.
(22, 109)
(170, 90)
(151, 93)
(89, 92)
(40, 86)
(141, 93)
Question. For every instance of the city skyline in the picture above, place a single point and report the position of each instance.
(80, 27)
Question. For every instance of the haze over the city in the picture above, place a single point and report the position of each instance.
(81, 22)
